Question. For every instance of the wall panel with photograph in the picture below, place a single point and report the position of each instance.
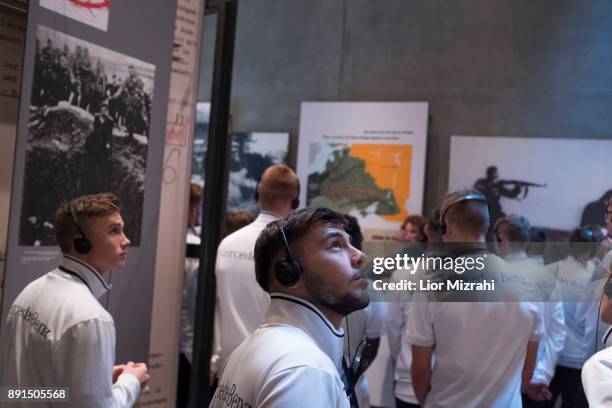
(251, 154)
(92, 118)
(88, 131)
(12, 40)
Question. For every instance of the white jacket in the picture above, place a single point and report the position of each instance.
(241, 302)
(58, 335)
(551, 312)
(597, 379)
(291, 360)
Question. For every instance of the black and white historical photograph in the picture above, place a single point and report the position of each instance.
(537, 185)
(88, 131)
(251, 154)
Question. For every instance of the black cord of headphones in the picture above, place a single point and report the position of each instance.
(110, 279)
(597, 324)
(348, 338)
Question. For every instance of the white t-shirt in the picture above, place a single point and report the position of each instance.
(241, 302)
(597, 379)
(291, 360)
(401, 352)
(479, 347)
(575, 280)
(58, 335)
(551, 312)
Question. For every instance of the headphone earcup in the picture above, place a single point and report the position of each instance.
(82, 245)
(287, 272)
(442, 229)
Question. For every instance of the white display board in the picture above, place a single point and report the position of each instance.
(572, 173)
(366, 159)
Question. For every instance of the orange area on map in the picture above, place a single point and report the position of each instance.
(390, 165)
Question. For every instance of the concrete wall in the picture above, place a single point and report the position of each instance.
(530, 68)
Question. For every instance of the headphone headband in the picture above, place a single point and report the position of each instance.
(74, 218)
(467, 197)
(81, 244)
(283, 239)
(287, 270)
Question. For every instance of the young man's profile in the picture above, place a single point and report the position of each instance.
(313, 275)
(57, 333)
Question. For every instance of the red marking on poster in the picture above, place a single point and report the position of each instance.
(176, 134)
(91, 4)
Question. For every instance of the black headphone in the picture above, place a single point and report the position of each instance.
(470, 196)
(81, 244)
(607, 289)
(295, 203)
(287, 270)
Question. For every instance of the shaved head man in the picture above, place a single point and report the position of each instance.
(278, 190)
(241, 302)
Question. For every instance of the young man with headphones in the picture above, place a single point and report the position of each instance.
(580, 280)
(397, 317)
(314, 278)
(241, 303)
(512, 233)
(483, 351)
(597, 371)
(57, 332)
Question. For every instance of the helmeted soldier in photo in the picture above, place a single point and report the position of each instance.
(133, 95)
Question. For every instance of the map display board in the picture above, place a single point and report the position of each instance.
(366, 159)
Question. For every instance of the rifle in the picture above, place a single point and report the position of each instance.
(524, 185)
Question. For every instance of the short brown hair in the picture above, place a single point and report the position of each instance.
(516, 227)
(418, 221)
(278, 184)
(298, 224)
(195, 193)
(83, 208)
(467, 209)
(234, 220)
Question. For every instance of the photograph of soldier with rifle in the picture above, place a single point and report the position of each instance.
(494, 188)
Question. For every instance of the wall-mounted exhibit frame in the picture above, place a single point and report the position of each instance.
(214, 195)
(366, 159)
(141, 137)
(532, 177)
(13, 19)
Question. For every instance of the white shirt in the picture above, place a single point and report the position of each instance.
(401, 352)
(597, 379)
(575, 285)
(551, 313)
(479, 348)
(291, 360)
(188, 303)
(58, 335)
(241, 302)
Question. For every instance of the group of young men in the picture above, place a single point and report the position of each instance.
(286, 283)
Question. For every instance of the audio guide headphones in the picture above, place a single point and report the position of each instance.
(471, 195)
(287, 270)
(295, 203)
(607, 289)
(81, 244)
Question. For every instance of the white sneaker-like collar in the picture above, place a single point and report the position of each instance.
(85, 273)
(296, 312)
